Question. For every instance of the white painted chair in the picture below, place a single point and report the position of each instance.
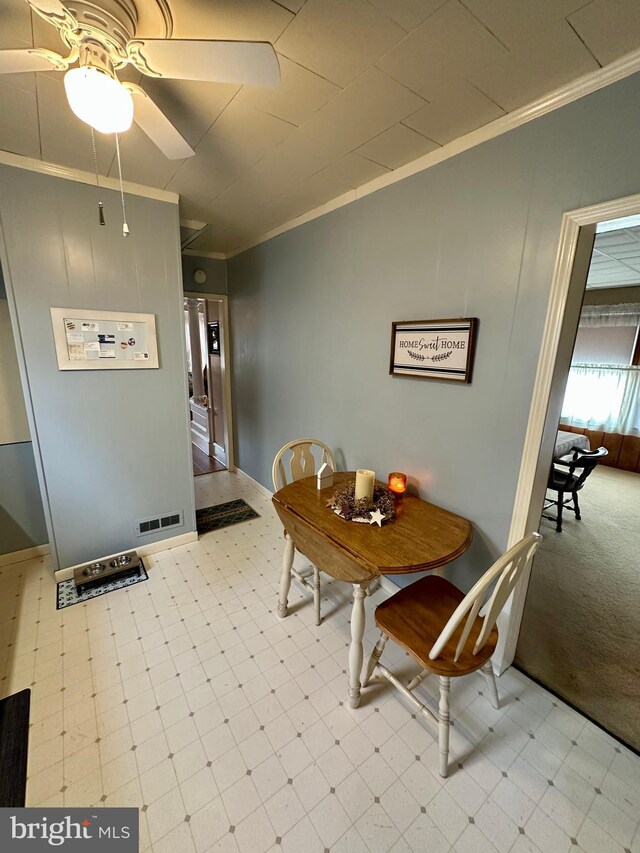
(293, 462)
(450, 634)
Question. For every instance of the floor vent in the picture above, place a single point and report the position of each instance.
(146, 526)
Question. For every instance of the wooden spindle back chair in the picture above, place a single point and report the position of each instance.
(293, 462)
(450, 634)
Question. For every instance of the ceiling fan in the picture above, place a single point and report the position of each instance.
(101, 38)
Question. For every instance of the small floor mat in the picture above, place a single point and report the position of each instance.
(223, 515)
(69, 595)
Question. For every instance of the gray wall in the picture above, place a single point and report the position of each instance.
(113, 445)
(311, 311)
(22, 522)
(215, 269)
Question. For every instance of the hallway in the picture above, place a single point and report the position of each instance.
(203, 464)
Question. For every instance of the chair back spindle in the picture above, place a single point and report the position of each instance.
(302, 463)
(487, 598)
(299, 458)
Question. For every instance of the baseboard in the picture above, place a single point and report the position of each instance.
(143, 551)
(201, 443)
(167, 544)
(388, 585)
(25, 554)
(264, 491)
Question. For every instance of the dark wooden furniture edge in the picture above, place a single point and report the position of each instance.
(14, 744)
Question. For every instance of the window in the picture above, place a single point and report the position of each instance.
(603, 387)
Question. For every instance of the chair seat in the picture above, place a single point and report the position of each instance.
(415, 617)
(561, 481)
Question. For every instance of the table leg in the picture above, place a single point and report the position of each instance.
(285, 579)
(355, 650)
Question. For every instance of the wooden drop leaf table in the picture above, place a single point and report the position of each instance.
(421, 537)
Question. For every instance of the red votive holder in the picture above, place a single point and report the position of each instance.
(397, 483)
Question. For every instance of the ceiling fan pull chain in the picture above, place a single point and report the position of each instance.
(95, 163)
(125, 227)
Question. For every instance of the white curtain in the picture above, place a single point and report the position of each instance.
(627, 314)
(603, 398)
(187, 335)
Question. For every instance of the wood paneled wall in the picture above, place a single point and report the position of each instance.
(624, 450)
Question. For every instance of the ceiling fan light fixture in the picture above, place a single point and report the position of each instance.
(99, 99)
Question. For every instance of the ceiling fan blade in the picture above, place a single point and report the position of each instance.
(157, 126)
(48, 7)
(52, 10)
(32, 59)
(213, 61)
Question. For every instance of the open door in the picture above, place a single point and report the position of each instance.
(580, 630)
(209, 403)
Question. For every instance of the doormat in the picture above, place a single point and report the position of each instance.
(69, 595)
(223, 515)
(14, 740)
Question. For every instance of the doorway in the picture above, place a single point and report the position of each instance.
(207, 359)
(580, 630)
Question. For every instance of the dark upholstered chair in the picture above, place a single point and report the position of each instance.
(567, 483)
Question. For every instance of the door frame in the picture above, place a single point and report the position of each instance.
(563, 311)
(225, 356)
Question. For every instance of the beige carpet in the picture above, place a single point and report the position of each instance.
(581, 628)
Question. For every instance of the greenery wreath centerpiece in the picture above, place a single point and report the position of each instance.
(368, 511)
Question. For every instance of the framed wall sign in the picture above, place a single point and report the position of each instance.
(213, 337)
(434, 349)
(104, 340)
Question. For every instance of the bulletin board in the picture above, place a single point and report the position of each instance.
(104, 340)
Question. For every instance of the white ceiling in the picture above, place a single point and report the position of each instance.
(616, 258)
(367, 86)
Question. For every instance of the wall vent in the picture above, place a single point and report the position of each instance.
(146, 526)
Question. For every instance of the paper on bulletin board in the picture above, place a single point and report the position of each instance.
(122, 340)
(76, 352)
(86, 339)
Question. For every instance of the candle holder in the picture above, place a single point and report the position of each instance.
(375, 510)
(397, 483)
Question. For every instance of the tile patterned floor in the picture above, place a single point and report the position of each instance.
(186, 697)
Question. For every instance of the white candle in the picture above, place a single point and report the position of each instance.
(365, 481)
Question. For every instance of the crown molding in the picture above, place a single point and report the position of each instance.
(215, 256)
(18, 161)
(587, 84)
(567, 94)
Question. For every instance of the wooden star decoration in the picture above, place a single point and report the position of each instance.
(376, 517)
